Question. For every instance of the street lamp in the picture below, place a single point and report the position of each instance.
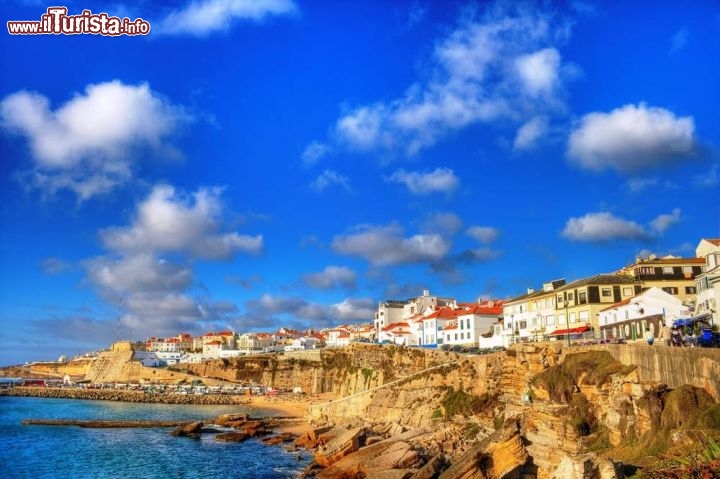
(567, 320)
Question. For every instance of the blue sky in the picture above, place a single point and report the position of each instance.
(252, 164)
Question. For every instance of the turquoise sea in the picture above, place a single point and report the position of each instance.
(74, 452)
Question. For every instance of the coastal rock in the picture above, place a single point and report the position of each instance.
(311, 439)
(191, 429)
(339, 447)
(586, 466)
(392, 453)
(232, 436)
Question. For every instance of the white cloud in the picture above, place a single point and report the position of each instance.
(441, 180)
(528, 134)
(631, 138)
(539, 71)
(503, 65)
(331, 277)
(483, 234)
(202, 17)
(446, 224)
(87, 145)
(314, 152)
(385, 245)
(328, 178)
(665, 221)
(354, 310)
(679, 40)
(167, 221)
(137, 274)
(602, 227)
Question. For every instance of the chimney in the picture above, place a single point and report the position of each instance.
(426, 292)
(530, 290)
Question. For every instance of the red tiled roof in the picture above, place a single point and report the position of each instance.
(395, 326)
(225, 333)
(715, 241)
(442, 313)
(213, 343)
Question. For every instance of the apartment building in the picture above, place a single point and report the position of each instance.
(673, 275)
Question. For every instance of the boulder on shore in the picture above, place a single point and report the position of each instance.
(191, 429)
(348, 441)
(232, 436)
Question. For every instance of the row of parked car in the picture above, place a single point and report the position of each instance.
(458, 348)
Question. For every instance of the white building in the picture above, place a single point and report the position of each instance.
(708, 282)
(337, 338)
(628, 319)
(406, 311)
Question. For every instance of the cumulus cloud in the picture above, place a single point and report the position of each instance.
(483, 234)
(269, 310)
(88, 144)
(631, 138)
(168, 221)
(353, 310)
(147, 270)
(446, 224)
(314, 152)
(138, 273)
(202, 17)
(602, 227)
(328, 178)
(440, 180)
(331, 277)
(386, 245)
(500, 65)
(529, 133)
(665, 221)
(540, 71)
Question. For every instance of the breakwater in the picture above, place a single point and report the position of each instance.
(125, 396)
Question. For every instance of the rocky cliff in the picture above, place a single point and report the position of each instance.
(578, 412)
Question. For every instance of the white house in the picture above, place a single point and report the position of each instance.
(338, 338)
(628, 319)
(708, 282)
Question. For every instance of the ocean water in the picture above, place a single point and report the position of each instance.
(74, 452)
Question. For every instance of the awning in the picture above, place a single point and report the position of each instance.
(581, 329)
(692, 320)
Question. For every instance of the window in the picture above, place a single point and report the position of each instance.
(559, 299)
(573, 317)
(584, 316)
(550, 319)
(647, 270)
(667, 270)
(570, 296)
(523, 324)
(670, 290)
(628, 292)
(690, 290)
(456, 336)
(607, 292)
(582, 297)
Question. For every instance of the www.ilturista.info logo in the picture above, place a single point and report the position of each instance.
(57, 22)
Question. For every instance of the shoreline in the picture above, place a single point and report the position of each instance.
(294, 407)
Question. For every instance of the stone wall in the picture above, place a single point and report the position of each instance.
(674, 367)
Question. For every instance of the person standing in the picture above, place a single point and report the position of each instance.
(664, 337)
(649, 337)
